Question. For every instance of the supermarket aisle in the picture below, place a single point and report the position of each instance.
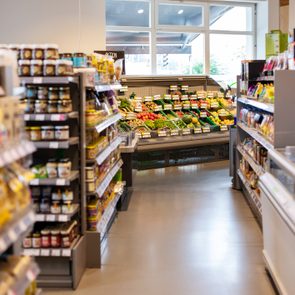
(186, 233)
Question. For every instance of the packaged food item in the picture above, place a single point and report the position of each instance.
(47, 132)
(45, 238)
(80, 60)
(31, 92)
(61, 68)
(51, 51)
(38, 52)
(27, 242)
(40, 170)
(67, 207)
(64, 106)
(66, 56)
(62, 132)
(68, 195)
(49, 68)
(52, 106)
(24, 68)
(36, 67)
(55, 207)
(55, 238)
(45, 205)
(51, 168)
(68, 234)
(36, 240)
(29, 106)
(64, 93)
(64, 168)
(40, 106)
(90, 173)
(57, 195)
(42, 93)
(26, 51)
(35, 133)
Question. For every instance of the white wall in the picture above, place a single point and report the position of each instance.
(54, 21)
(284, 19)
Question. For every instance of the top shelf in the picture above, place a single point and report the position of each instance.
(49, 80)
(267, 107)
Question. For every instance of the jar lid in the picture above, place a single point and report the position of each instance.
(37, 62)
(55, 232)
(67, 54)
(24, 62)
(40, 101)
(79, 54)
(42, 88)
(45, 232)
(47, 127)
(53, 88)
(49, 62)
(39, 46)
(36, 128)
(62, 127)
(51, 46)
(64, 88)
(26, 46)
(36, 235)
(52, 101)
(65, 160)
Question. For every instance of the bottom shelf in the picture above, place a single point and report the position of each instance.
(255, 199)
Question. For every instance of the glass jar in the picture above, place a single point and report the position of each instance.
(64, 168)
(67, 207)
(45, 238)
(35, 133)
(66, 56)
(66, 239)
(67, 195)
(36, 68)
(45, 205)
(31, 92)
(55, 207)
(61, 68)
(24, 68)
(27, 242)
(64, 93)
(41, 106)
(70, 68)
(36, 240)
(51, 168)
(47, 132)
(57, 195)
(42, 93)
(55, 238)
(49, 68)
(53, 93)
(52, 106)
(29, 106)
(26, 51)
(62, 132)
(64, 106)
(38, 52)
(51, 51)
(80, 60)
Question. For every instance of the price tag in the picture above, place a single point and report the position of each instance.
(61, 181)
(186, 106)
(35, 252)
(158, 108)
(62, 218)
(195, 106)
(37, 80)
(40, 117)
(162, 133)
(148, 98)
(138, 99)
(203, 115)
(184, 97)
(146, 135)
(177, 107)
(223, 128)
(175, 97)
(53, 145)
(198, 130)
(167, 97)
(203, 106)
(168, 107)
(40, 217)
(174, 132)
(138, 110)
(206, 130)
(214, 105)
(55, 252)
(193, 97)
(45, 252)
(50, 217)
(186, 131)
(124, 89)
(56, 117)
(173, 87)
(27, 117)
(210, 94)
(184, 87)
(157, 97)
(35, 181)
(66, 253)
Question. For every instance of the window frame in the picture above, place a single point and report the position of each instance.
(155, 27)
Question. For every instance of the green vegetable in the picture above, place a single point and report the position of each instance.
(150, 124)
(187, 119)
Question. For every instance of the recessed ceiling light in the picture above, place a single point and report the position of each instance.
(140, 11)
(180, 11)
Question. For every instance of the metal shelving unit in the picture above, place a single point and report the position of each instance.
(52, 117)
(56, 144)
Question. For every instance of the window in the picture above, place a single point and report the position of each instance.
(174, 37)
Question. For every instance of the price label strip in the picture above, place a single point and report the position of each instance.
(223, 128)
(198, 130)
(157, 97)
(167, 97)
(206, 130)
(186, 131)
(162, 133)
(184, 97)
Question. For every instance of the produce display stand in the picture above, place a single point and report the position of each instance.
(178, 147)
(283, 111)
(23, 271)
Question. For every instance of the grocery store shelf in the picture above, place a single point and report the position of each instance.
(107, 151)
(21, 283)
(107, 87)
(15, 151)
(57, 217)
(107, 179)
(20, 224)
(56, 144)
(267, 79)
(56, 181)
(267, 107)
(49, 80)
(51, 117)
(107, 123)
(51, 252)
(256, 135)
(125, 149)
(175, 142)
(256, 167)
(252, 193)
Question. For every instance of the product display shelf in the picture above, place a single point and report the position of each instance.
(49, 80)
(62, 217)
(255, 166)
(57, 144)
(28, 276)
(268, 107)
(102, 156)
(15, 152)
(256, 199)
(106, 123)
(51, 117)
(107, 179)
(266, 79)
(55, 181)
(16, 228)
(51, 252)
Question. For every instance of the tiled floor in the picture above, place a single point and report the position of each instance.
(187, 233)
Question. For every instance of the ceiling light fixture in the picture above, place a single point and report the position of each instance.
(140, 11)
(180, 11)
